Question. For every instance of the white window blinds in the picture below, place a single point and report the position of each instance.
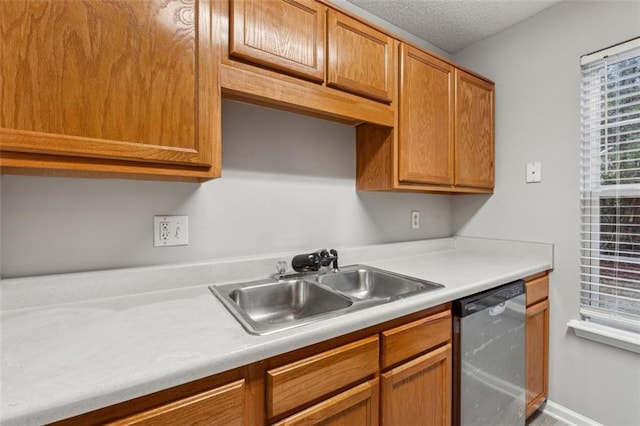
(610, 186)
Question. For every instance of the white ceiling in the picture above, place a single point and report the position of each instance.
(453, 25)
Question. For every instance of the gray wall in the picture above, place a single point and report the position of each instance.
(535, 65)
(288, 184)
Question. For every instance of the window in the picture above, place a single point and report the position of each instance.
(610, 186)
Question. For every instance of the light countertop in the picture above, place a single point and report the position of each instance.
(85, 351)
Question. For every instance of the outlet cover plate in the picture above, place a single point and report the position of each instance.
(170, 231)
(415, 219)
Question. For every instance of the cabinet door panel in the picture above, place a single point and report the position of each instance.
(223, 406)
(474, 132)
(287, 35)
(537, 363)
(357, 406)
(426, 118)
(360, 59)
(120, 80)
(418, 392)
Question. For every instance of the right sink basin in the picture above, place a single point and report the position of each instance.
(365, 282)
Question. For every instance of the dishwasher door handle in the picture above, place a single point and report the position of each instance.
(496, 310)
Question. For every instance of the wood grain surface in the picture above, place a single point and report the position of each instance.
(360, 59)
(474, 140)
(426, 118)
(297, 383)
(419, 391)
(109, 79)
(288, 35)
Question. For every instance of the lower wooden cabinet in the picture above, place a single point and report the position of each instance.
(356, 406)
(222, 406)
(226, 399)
(303, 381)
(419, 391)
(537, 343)
(394, 373)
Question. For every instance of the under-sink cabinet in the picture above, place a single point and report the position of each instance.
(415, 383)
(537, 342)
(384, 374)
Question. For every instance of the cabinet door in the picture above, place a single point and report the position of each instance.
(426, 118)
(537, 358)
(222, 406)
(419, 391)
(474, 140)
(357, 406)
(128, 79)
(359, 59)
(287, 35)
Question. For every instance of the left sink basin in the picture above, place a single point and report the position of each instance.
(268, 305)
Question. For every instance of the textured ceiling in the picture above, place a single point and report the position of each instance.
(453, 25)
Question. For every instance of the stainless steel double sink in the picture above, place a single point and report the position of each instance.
(270, 305)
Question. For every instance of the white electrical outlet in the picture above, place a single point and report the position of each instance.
(415, 219)
(170, 231)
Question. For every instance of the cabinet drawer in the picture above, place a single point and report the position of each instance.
(221, 406)
(537, 290)
(300, 382)
(414, 338)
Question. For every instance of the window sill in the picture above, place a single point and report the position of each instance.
(608, 335)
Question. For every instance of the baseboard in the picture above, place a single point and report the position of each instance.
(567, 416)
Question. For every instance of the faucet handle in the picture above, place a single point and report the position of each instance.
(281, 267)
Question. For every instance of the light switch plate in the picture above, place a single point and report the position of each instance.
(170, 231)
(534, 172)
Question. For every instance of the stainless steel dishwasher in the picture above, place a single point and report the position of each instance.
(489, 366)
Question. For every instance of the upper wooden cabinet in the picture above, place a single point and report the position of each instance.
(444, 139)
(129, 80)
(426, 118)
(474, 148)
(130, 88)
(359, 58)
(287, 35)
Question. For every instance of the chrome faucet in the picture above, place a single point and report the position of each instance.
(315, 261)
